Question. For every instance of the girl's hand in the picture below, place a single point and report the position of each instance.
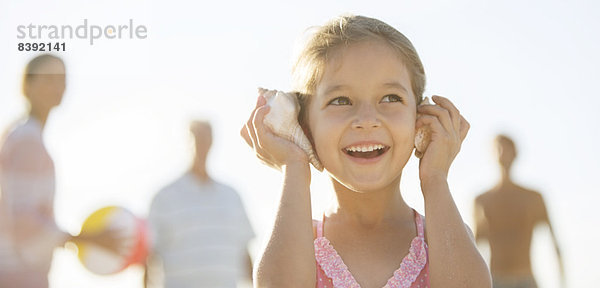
(271, 149)
(448, 130)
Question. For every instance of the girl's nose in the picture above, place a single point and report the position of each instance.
(366, 118)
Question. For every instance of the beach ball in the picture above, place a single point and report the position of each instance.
(133, 249)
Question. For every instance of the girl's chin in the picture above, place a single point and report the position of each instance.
(365, 184)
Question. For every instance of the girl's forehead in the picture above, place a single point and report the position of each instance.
(361, 62)
(363, 49)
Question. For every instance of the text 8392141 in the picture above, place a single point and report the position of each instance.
(48, 46)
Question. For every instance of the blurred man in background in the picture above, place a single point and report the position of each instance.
(199, 228)
(506, 217)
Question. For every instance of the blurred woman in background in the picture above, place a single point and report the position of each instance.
(28, 231)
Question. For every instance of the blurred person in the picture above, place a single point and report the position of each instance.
(28, 231)
(199, 228)
(505, 217)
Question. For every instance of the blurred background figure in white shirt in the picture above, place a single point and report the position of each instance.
(199, 228)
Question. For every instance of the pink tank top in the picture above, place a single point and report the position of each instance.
(412, 273)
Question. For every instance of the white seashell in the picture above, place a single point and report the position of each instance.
(422, 136)
(282, 119)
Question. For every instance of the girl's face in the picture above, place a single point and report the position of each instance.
(362, 116)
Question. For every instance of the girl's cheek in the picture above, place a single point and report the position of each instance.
(338, 114)
(326, 130)
(399, 116)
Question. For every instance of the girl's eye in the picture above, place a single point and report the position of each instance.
(338, 101)
(391, 98)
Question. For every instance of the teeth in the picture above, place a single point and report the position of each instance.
(365, 148)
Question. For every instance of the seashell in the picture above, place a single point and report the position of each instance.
(423, 135)
(282, 119)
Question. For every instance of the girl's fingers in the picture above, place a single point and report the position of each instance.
(261, 101)
(451, 108)
(259, 128)
(265, 138)
(250, 130)
(249, 135)
(268, 147)
(432, 121)
(441, 113)
(245, 135)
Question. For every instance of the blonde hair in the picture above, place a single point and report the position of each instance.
(343, 31)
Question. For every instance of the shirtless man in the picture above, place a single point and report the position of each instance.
(506, 216)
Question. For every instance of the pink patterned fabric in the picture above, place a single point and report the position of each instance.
(332, 272)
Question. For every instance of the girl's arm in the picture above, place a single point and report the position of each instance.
(288, 259)
(454, 260)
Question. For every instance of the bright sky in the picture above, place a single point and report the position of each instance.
(526, 68)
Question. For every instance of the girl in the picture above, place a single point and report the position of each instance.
(360, 82)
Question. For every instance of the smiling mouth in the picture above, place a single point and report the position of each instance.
(366, 151)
